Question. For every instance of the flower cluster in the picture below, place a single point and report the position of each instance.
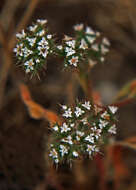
(82, 131)
(94, 45)
(33, 46)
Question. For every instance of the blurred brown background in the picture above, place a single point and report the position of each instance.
(22, 139)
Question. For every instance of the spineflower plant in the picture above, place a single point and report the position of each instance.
(84, 129)
(85, 126)
(36, 44)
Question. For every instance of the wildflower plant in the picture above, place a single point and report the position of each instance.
(83, 131)
(86, 126)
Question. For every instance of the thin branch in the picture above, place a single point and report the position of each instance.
(2, 35)
(10, 7)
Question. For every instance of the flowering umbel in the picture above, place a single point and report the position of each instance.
(33, 46)
(82, 132)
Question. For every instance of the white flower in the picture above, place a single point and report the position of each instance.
(65, 128)
(40, 33)
(90, 39)
(79, 112)
(89, 30)
(87, 105)
(21, 35)
(104, 49)
(18, 50)
(68, 140)
(60, 47)
(102, 59)
(69, 51)
(55, 128)
(43, 51)
(31, 41)
(105, 41)
(95, 47)
(43, 42)
(78, 27)
(73, 61)
(84, 120)
(102, 123)
(67, 113)
(92, 63)
(64, 107)
(29, 64)
(105, 115)
(49, 36)
(42, 21)
(27, 70)
(90, 149)
(83, 44)
(79, 135)
(32, 28)
(113, 109)
(75, 154)
(112, 129)
(53, 153)
(63, 150)
(97, 132)
(71, 43)
(72, 125)
(90, 138)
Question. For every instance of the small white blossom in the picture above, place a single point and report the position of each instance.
(43, 42)
(90, 138)
(113, 109)
(40, 33)
(67, 113)
(72, 125)
(104, 49)
(105, 41)
(89, 30)
(31, 41)
(71, 43)
(73, 61)
(68, 140)
(78, 27)
(112, 129)
(29, 64)
(60, 47)
(102, 59)
(63, 150)
(69, 51)
(53, 153)
(84, 120)
(79, 135)
(64, 107)
(75, 154)
(90, 149)
(32, 28)
(90, 39)
(55, 128)
(87, 105)
(83, 44)
(95, 47)
(102, 123)
(92, 63)
(42, 21)
(79, 111)
(65, 128)
(49, 36)
(21, 35)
